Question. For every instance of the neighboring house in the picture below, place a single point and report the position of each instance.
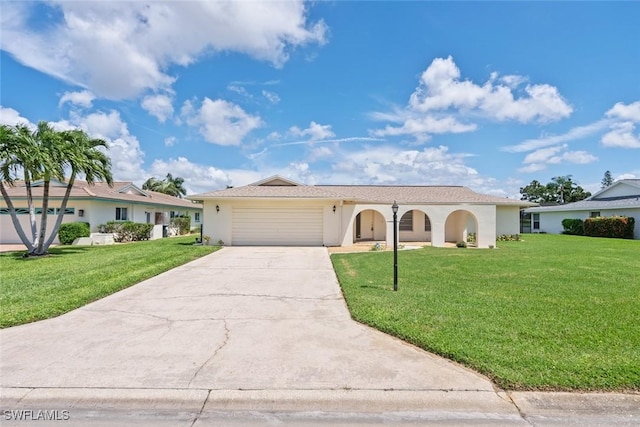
(622, 198)
(96, 204)
(278, 211)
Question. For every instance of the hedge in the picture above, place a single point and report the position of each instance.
(182, 223)
(70, 231)
(620, 227)
(573, 226)
(127, 231)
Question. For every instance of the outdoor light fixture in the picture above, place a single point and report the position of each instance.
(217, 208)
(394, 208)
(334, 208)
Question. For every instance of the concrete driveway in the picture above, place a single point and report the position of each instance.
(238, 329)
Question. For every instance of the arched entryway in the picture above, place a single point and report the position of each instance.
(461, 226)
(369, 225)
(414, 226)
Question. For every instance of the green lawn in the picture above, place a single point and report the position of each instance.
(552, 312)
(39, 288)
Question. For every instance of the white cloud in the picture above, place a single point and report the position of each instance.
(390, 165)
(314, 132)
(219, 121)
(533, 167)
(127, 157)
(271, 96)
(198, 178)
(538, 159)
(622, 132)
(120, 49)
(576, 133)
(622, 135)
(544, 154)
(11, 117)
(626, 112)
(170, 141)
(83, 98)
(159, 106)
(442, 97)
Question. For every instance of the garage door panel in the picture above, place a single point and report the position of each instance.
(277, 226)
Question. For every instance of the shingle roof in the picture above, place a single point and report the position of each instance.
(101, 190)
(363, 193)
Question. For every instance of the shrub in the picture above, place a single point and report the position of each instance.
(508, 238)
(461, 244)
(573, 226)
(471, 238)
(69, 232)
(181, 223)
(620, 227)
(127, 231)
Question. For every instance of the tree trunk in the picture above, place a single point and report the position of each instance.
(43, 217)
(14, 219)
(60, 217)
(32, 210)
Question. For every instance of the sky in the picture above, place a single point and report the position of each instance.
(489, 95)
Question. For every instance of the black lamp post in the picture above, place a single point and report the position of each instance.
(394, 208)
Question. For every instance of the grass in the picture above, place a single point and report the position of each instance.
(551, 312)
(72, 276)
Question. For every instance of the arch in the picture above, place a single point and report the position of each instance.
(415, 226)
(459, 225)
(369, 225)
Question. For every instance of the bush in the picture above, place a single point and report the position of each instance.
(181, 223)
(508, 238)
(69, 232)
(620, 227)
(461, 244)
(573, 226)
(127, 231)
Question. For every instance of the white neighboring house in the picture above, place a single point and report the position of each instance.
(96, 204)
(622, 198)
(278, 211)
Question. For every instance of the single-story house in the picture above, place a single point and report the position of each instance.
(96, 204)
(279, 211)
(622, 198)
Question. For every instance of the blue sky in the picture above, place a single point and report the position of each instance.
(490, 95)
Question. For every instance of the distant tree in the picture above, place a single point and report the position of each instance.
(607, 180)
(169, 185)
(560, 190)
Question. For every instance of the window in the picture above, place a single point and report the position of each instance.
(121, 214)
(536, 221)
(50, 211)
(406, 222)
(594, 214)
(427, 223)
(148, 215)
(196, 216)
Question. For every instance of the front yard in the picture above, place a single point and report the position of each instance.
(551, 312)
(72, 276)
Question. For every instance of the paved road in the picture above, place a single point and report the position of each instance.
(248, 336)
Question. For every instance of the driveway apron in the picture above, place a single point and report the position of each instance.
(243, 318)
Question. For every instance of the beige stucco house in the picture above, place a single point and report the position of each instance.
(96, 204)
(279, 211)
(622, 198)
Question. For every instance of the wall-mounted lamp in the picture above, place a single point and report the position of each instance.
(217, 208)
(334, 208)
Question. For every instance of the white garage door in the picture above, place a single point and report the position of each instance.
(291, 226)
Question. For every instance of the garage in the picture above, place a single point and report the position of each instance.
(277, 226)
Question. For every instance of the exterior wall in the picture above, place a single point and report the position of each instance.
(551, 222)
(507, 220)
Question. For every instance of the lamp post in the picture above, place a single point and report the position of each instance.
(394, 208)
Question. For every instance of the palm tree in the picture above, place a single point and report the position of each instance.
(170, 185)
(82, 155)
(44, 154)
